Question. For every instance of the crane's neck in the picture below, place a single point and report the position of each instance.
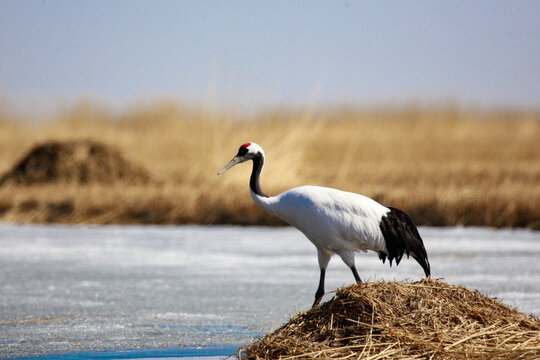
(254, 181)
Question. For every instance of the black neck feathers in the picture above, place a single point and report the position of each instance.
(254, 181)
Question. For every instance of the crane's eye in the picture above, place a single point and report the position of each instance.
(242, 151)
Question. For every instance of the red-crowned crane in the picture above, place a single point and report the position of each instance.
(337, 222)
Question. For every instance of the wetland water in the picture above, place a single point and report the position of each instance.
(149, 292)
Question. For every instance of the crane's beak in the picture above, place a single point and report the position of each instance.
(234, 161)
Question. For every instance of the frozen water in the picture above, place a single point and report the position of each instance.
(71, 288)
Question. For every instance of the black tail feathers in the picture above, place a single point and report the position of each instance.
(401, 237)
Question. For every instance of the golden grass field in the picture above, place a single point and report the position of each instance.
(444, 166)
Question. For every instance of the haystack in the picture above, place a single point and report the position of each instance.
(78, 161)
(389, 320)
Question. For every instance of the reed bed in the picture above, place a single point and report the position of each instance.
(428, 319)
(444, 166)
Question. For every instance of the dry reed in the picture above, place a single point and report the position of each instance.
(388, 320)
(443, 166)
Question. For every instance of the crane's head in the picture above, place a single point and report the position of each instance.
(246, 152)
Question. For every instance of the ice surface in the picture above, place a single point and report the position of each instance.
(71, 288)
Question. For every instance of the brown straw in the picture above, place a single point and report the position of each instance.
(391, 320)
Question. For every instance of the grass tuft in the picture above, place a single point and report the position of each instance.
(428, 319)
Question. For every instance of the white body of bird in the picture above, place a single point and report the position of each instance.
(335, 221)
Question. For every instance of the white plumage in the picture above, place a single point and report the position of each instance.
(335, 221)
(332, 219)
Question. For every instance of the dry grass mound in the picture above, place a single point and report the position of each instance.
(77, 161)
(388, 320)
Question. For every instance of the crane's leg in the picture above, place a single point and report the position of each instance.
(355, 273)
(323, 257)
(348, 259)
(320, 290)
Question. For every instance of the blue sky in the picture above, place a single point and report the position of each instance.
(265, 53)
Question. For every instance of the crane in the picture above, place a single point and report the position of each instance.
(336, 221)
